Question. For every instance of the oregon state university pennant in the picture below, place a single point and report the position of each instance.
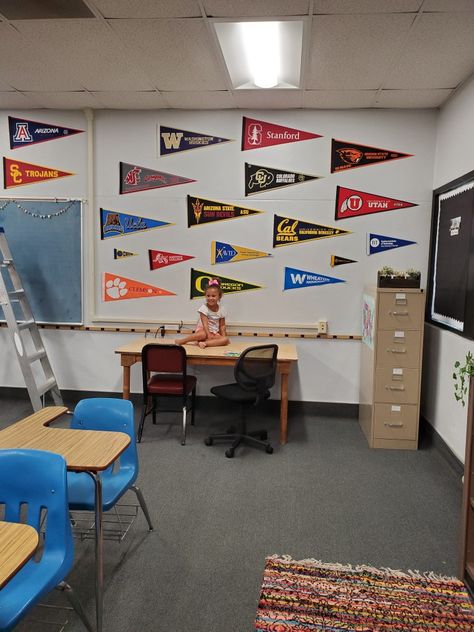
(134, 178)
(288, 231)
(353, 203)
(173, 140)
(201, 211)
(256, 134)
(200, 279)
(258, 179)
(347, 155)
(161, 259)
(226, 253)
(118, 288)
(115, 224)
(24, 132)
(17, 173)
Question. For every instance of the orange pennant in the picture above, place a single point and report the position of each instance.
(119, 288)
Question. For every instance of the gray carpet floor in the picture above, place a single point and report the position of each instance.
(324, 495)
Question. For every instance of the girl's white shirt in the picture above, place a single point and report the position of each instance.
(213, 318)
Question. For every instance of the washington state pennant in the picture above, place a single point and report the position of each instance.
(258, 179)
(353, 203)
(24, 132)
(161, 259)
(200, 279)
(119, 288)
(226, 253)
(295, 278)
(201, 211)
(115, 224)
(288, 231)
(340, 261)
(173, 140)
(134, 178)
(123, 254)
(347, 155)
(17, 173)
(381, 243)
(256, 134)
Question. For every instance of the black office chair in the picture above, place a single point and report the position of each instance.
(255, 375)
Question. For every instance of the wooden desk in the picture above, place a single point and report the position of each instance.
(215, 356)
(18, 542)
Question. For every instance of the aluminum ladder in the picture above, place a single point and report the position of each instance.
(40, 380)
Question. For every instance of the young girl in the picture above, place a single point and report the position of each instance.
(210, 330)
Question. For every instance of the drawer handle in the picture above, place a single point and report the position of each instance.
(398, 313)
(397, 350)
(395, 388)
(390, 425)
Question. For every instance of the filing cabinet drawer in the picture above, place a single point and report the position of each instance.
(393, 421)
(398, 348)
(400, 310)
(397, 385)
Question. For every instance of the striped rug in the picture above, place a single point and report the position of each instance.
(309, 595)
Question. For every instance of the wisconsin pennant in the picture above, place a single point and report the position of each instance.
(115, 224)
(347, 155)
(24, 132)
(119, 288)
(340, 261)
(17, 173)
(226, 253)
(288, 231)
(173, 140)
(353, 203)
(381, 243)
(201, 211)
(134, 178)
(161, 259)
(199, 280)
(295, 279)
(256, 134)
(123, 254)
(258, 179)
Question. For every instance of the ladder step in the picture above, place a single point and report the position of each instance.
(7, 262)
(26, 324)
(48, 385)
(17, 293)
(41, 353)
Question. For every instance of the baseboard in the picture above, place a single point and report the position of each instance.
(429, 436)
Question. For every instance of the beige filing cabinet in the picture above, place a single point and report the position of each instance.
(391, 357)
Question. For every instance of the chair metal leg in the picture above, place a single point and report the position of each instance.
(193, 404)
(143, 505)
(183, 435)
(142, 422)
(76, 604)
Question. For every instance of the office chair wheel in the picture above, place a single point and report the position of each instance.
(229, 453)
(208, 441)
(269, 449)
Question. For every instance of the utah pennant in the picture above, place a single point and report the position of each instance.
(258, 179)
(295, 278)
(381, 243)
(115, 224)
(256, 134)
(173, 140)
(340, 261)
(123, 254)
(134, 178)
(226, 253)
(199, 280)
(201, 211)
(161, 259)
(24, 132)
(119, 288)
(347, 155)
(353, 203)
(17, 173)
(288, 231)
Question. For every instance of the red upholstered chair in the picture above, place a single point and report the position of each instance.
(164, 375)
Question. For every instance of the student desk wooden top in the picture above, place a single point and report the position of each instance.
(215, 356)
(18, 542)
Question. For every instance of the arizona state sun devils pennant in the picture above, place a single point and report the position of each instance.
(347, 155)
(173, 140)
(201, 211)
(339, 261)
(227, 253)
(288, 231)
(256, 134)
(199, 280)
(353, 203)
(134, 178)
(258, 179)
(24, 132)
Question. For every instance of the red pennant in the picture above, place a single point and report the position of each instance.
(256, 134)
(161, 259)
(17, 173)
(353, 203)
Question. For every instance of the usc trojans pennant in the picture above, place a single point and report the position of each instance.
(256, 134)
(118, 288)
(17, 173)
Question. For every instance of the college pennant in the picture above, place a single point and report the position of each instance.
(256, 134)
(201, 211)
(17, 173)
(123, 254)
(226, 253)
(353, 203)
(295, 278)
(288, 231)
(380, 243)
(119, 288)
(24, 132)
(199, 280)
(134, 178)
(258, 179)
(340, 261)
(173, 140)
(347, 155)
(115, 224)
(161, 259)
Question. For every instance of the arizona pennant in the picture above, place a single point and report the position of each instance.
(347, 155)
(256, 134)
(161, 259)
(353, 203)
(24, 132)
(134, 178)
(17, 173)
(173, 140)
(288, 231)
(258, 179)
(119, 288)
(226, 253)
(295, 278)
(340, 261)
(123, 254)
(199, 280)
(115, 224)
(201, 211)
(381, 243)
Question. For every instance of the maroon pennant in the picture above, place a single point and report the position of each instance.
(256, 134)
(353, 203)
(161, 259)
(347, 155)
(134, 178)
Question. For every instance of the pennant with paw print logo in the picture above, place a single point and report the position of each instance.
(118, 288)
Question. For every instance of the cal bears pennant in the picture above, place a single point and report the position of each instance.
(288, 231)
(24, 132)
(123, 254)
(347, 155)
(134, 178)
(340, 261)
(353, 203)
(17, 173)
(258, 179)
(256, 134)
(295, 278)
(199, 280)
(173, 140)
(381, 243)
(201, 211)
(225, 253)
(118, 288)
(161, 259)
(115, 224)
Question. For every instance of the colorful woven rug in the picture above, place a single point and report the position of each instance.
(307, 596)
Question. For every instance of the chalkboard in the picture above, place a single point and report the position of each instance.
(45, 239)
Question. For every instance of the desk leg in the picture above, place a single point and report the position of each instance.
(99, 551)
(126, 382)
(284, 409)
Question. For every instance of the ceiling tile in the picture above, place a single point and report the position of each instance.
(337, 99)
(411, 98)
(17, 101)
(268, 99)
(365, 6)
(255, 8)
(211, 100)
(131, 100)
(65, 100)
(449, 6)
(34, 10)
(148, 8)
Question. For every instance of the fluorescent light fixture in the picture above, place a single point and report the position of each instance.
(261, 42)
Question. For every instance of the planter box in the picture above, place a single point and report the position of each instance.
(396, 282)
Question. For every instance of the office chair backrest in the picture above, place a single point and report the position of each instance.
(256, 368)
(164, 358)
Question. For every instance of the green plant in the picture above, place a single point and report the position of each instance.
(413, 274)
(387, 271)
(461, 375)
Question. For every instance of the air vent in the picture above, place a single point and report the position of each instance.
(44, 9)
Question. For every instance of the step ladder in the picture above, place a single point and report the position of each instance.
(24, 331)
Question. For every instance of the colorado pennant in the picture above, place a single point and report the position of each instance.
(258, 179)
(199, 280)
(380, 243)
(353, 203)
(295, 278)
(288, 231)
(256, 134)
(161, 259)
(24, 132)
(115, 224)
(173, 140)
(226, 253)
(346, 155)
(134, 178)
(119, 288)
(123, 254)
(201, 211)
(17, 173)
(340, 261)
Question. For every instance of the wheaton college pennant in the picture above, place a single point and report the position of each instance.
(17, 173)
(119, 288)
(201, 211)
(226, 253)
(134, 178)
(199, 280)
(258, 179)
(173, 140)
(161, 259)
(381, 243)
(353, 203)
(256, 134)
(115, 224)
(295, 278)
(347, 155)
(24, 132)
(288, 231)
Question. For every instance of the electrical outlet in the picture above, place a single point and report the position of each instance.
(323, 326)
